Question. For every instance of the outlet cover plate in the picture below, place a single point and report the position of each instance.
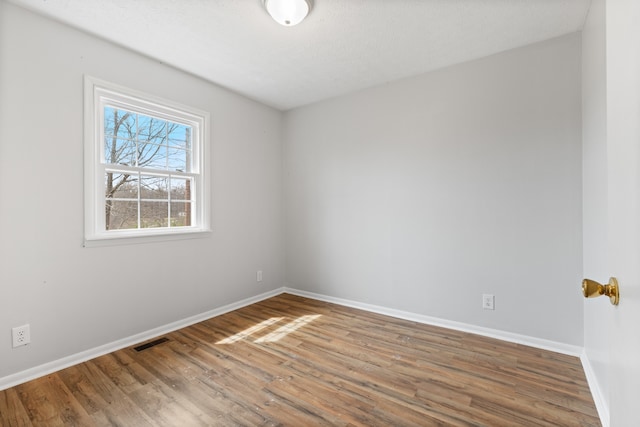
(21, 335)
(488, 302)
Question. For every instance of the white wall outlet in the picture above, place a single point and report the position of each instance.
(488, 301)
(259, 276)
(21, 335)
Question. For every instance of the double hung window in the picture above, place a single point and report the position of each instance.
(145, 166)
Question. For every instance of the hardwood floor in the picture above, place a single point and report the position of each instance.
(301, 362)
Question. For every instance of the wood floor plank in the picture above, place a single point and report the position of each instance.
(50, 403)
(294, 361)
(95, 391)
(12, 412)
(122, 371)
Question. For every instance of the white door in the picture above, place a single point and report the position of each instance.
(623, 150)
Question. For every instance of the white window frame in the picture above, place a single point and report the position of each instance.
(98, 94)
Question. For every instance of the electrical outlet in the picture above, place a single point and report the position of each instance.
(488, 301)
(21, 335)
(259, 276)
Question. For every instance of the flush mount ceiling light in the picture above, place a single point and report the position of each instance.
(288, 12)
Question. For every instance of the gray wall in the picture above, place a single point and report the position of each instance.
(422, 194)
(77, 298)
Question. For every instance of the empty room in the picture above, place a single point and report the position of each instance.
(319, 212)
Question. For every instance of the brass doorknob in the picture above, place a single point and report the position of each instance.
(592, 289)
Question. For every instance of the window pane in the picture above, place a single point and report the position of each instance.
(152, 156)
(154, 214)
(119, 151)
(108, 121)
(180, 214)
(121, 214)
(178, 160)
(151, 129)
(153, 187)
(121, 186)
(179, 135)
(119, 123)
(181, 189)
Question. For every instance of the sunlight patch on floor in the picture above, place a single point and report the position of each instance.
(250, 331)
(274, 336)
(288, 328)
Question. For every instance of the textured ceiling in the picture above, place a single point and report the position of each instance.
(342, 46)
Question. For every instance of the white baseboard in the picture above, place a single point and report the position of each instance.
(74, 359)
(598, 397)
(557, 347)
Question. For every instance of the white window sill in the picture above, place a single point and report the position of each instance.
(147, 238)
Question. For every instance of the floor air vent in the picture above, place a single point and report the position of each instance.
(150, 344)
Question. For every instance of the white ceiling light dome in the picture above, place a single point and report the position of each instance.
(288, 12)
